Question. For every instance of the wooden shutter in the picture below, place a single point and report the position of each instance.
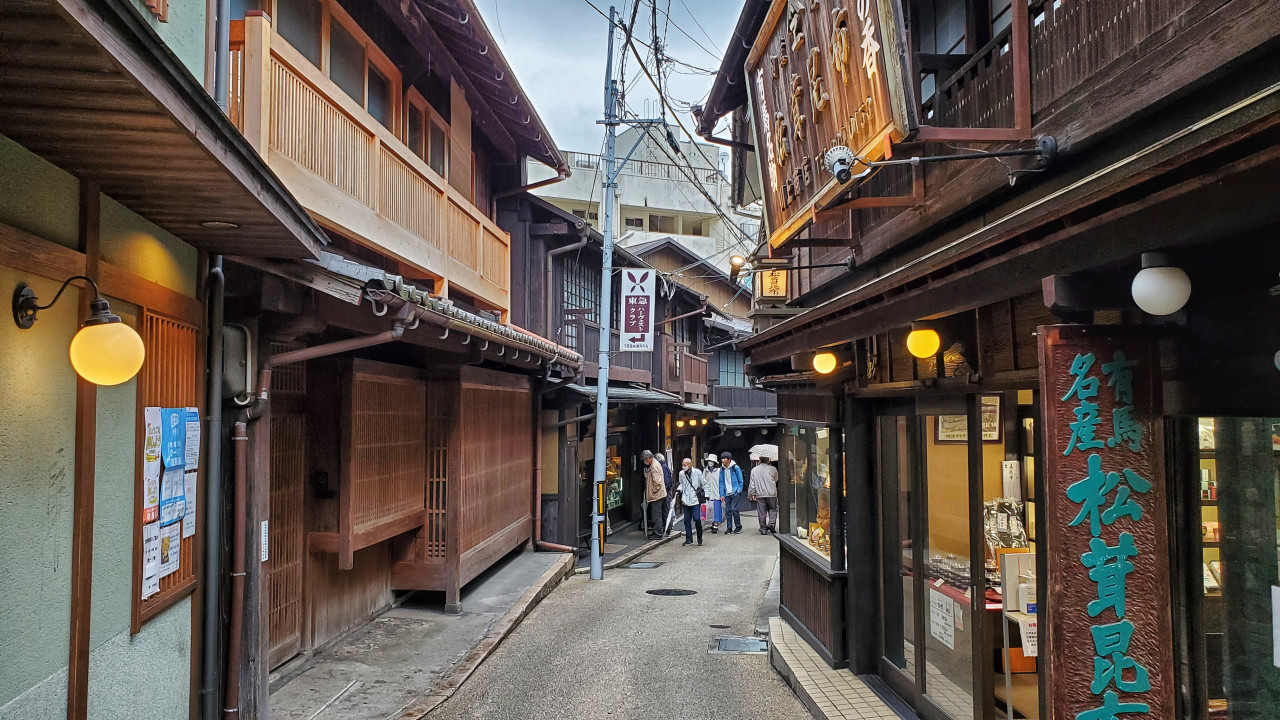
(460, 168)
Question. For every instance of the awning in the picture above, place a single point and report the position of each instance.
(92, 89)
(738, 423)
(700, 407)
(639, 396)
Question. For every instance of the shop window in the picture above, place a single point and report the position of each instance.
(1239, 563)
(732, 371)
(806, 452)
(426, 132)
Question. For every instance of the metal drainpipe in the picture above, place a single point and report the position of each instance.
(221, 53)
(551, 254)
(211, 634)
(699, 311)
(562, 174)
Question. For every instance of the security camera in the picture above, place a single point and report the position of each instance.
(839, 161)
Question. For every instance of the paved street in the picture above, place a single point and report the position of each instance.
(609, 650)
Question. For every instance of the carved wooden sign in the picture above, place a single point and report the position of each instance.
(1109, 647)
(823, 73)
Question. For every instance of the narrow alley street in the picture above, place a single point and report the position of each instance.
(612, 650)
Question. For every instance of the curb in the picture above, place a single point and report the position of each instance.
(784, 670)
(628, 557)
(454, 680)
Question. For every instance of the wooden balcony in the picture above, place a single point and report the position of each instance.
(683, 372)
(744, 401)
(355, 176)
(623, 367)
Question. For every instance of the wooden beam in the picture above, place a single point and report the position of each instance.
(85, 468)
(551, 228)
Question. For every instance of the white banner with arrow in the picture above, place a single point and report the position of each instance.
(637, 310)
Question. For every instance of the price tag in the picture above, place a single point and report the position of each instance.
(937, 583)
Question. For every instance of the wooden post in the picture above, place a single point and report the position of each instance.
(257, 80)
(82, 504)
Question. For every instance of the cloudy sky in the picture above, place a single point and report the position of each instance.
(557, 48)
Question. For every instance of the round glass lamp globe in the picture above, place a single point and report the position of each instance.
(1161, 290)
(924, 343)
(824, 363)
(107, 354)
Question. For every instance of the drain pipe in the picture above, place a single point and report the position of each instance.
(551, 255)
(699, 311)
(211, 636)
(240, 508)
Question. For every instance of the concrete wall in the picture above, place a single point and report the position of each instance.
(129, 675)
(185, 32)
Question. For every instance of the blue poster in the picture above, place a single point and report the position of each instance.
(173, 437)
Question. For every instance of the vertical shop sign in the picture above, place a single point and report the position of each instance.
(1107, 529)
(637, 310)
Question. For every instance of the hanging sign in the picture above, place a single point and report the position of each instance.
(771, 284)
(637, 310)
(1107, 647)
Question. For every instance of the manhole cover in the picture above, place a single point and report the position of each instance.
(671, 591)
(731, 645)
(642, 565)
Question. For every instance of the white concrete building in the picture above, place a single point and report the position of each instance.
(657, 198)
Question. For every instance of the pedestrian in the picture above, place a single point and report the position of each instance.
(668, 481)
(691, 497)
(715, 508)
(730, 479)
(763, 489)
(655, 491)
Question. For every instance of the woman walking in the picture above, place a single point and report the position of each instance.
(691, 496)
(715, 509)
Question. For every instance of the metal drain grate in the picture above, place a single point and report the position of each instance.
(671, 592)
(642, 565)
(732, 645)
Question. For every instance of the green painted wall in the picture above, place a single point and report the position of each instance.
(142, 248)
(37, 443)
(184, 32)
(37, 197)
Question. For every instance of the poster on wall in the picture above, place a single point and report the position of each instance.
(189, 493)
(151, 466)
(170, 549)
(1105, 511)
(191, 458)
(955, 428)
(172, 496)
(173, 437)
(942, 624)
(150, 559)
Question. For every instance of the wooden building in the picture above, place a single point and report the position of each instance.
(391, 445)
(1147, 233)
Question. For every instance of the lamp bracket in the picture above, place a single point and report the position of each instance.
(26, 305)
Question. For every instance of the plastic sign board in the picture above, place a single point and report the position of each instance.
(637, 309)
(772, 284)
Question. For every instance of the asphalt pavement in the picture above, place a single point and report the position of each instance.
(607, 649)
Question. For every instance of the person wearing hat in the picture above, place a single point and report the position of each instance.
(729, 478)
(715, 509)
(655, 491)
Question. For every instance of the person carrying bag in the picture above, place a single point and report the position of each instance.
(692, 494)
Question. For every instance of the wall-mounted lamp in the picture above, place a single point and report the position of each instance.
(679, 423)
(824, 363)
(704, 421)
(1160, 287)
(923, 341)
(737, 261)
(105, 351)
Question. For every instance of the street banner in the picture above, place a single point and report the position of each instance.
(1108, 649)
(637, 310)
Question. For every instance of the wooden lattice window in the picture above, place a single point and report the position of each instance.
(169, 378)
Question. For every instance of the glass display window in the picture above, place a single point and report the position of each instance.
(808, 462)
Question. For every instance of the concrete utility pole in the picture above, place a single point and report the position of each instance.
(611, 122)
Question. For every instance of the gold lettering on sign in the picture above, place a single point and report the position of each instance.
(797, 114)
(870, 47)
(817, 86)
(840, 43)
(861, 118)
(773, 65)
(780, 127)
(795, 28)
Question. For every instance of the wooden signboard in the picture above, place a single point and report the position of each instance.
(823, 73)
(1109, 650)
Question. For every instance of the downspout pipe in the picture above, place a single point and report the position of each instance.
(551, 255)
(240, 502)
(699, 311)
(211, 640)
(562, 174)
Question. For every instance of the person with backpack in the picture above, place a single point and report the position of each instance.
(730, 481)
(691, 495)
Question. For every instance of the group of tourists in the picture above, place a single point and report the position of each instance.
(713, 491)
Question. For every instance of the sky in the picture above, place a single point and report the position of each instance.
(557, 49)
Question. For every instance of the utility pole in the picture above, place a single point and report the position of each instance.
(611, 122)
(606, 300)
